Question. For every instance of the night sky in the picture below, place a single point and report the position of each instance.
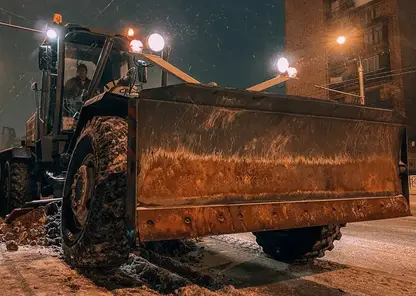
(234, 43)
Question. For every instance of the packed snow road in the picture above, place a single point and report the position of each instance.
(372, 258)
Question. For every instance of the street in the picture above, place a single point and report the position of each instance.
(372, 258)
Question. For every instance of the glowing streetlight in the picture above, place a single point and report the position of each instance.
(341, 40)
(282, 65)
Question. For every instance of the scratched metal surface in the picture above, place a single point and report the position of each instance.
(190, 154)
(262, 101)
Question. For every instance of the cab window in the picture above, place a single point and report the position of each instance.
(80, 65)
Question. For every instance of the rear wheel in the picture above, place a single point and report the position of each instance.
(15, 185)
(301, 244)
(2, 197)
(93, 227)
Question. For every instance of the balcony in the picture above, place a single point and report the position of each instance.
(375, 39)
(343, 76)
(366, 23)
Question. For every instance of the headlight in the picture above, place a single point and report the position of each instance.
(156, 42)
(282, 65)
(51, 33)
(136, 46)
(292, 72)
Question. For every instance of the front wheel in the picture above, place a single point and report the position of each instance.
(94, 232)
(299, 245)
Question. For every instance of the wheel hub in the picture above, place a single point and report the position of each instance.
(82, 188)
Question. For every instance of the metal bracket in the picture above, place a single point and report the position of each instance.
(171, 69)
(269, 83)
(403, 169)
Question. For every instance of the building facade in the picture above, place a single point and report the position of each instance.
(378, 33)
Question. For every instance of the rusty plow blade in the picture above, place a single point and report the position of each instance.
(214, 161)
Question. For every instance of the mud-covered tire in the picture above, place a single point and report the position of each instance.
(102, 240)
(299, 245)
(15, 185)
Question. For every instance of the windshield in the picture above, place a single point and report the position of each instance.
(121, 74)
(80, 65)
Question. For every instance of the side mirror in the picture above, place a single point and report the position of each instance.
(45, 57)
(141, 70)
(34, 86)
(142, 74)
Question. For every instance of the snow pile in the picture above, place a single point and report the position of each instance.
(53, 225)
(36, 228)
(162, 274)
(164, 267)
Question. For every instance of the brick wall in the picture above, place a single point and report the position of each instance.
(407, 24)
(310, 39)
(305, 46)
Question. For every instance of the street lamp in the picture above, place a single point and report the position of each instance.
(341, 40)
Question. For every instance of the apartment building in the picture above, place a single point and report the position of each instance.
(378, 33)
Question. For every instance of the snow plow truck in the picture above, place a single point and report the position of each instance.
(136, 164)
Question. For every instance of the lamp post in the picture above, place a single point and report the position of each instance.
(361, 81)
(341, 40)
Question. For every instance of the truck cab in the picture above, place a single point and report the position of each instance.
(115, 63)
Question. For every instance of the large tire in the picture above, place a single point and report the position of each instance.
(16, 189)
(3, 211)
(95, 235)
(299, 245)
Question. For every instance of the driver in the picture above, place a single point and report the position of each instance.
(75, 85)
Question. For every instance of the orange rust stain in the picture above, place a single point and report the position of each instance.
(172, 176)
(169, 223)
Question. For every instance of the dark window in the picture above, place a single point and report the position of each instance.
(372, 98)
(368, 16)
(371, 64)
(378, 34)
(412, 165)
(373, 36)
